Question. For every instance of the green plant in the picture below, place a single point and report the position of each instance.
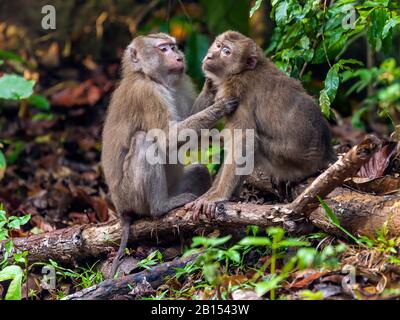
(382, 242)
(334, 219)
(313, 32)
(385, 81)
(276, 242)
(7, 224)
(15, 274)
(152, 259)
(14, 87)
(3, 164)
(12, 272)
(212, 255)
(82, 277)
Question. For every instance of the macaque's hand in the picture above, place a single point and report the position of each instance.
(206, 204)
(209, 85)
(227, 105)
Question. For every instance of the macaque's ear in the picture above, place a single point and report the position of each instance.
(133, 54)
(252, 62)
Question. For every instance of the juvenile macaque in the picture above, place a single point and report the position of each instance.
(154, 93)
(292, 139)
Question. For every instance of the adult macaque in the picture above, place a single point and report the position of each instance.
(292, 139)
(154, 93)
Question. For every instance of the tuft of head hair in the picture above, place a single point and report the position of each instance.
(140, 42)
(233, 36)
(245, 42)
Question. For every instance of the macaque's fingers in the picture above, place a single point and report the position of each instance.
(189, 206)
(197, 210)
(231, 105)
(210, 208)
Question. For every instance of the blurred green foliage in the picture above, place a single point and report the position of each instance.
(316, 32)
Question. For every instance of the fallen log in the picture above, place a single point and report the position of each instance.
(77, 243)
(360, 214)
(114, 288)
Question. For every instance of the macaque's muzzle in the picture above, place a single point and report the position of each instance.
(177, 66)
(209, 65)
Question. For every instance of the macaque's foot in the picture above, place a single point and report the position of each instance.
(206, 204)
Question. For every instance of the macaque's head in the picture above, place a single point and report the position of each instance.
(156, 55)
(231, 53)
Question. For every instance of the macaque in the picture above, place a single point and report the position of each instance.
(292, 139)
(154, 93)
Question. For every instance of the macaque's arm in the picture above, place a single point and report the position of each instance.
(231, 174)
(206, 118)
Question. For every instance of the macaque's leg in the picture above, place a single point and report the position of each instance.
(283, 190)
(196, 179)
(147, 181)
(227, 183)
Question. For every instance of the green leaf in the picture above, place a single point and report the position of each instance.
(276, 233)
(334, 219)
(14, 87)
(306, 257)
(309, 295)
(281, 12)
(263, 287)
(233, 255)
(328, 94)
(325, 104)
(255, 7)
(255, 241)
(15, 151)
(375, 30)
(10, 56)
(15, 274)
(43, 116)
(329, 212)
(332, 82)
(39, 102)
(209, 242)
(3, 235)
(9, 245)
(19, 258)
(14, 223)
(24, 219)
(293, 243)
(356, 121)
(393, 22)
(3, 165)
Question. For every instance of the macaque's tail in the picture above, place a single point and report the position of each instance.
(125, 226)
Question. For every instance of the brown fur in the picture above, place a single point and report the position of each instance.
(292, 137)
(150, 95)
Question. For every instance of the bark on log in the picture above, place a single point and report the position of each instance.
(76, 243)
(360, 214)
(335, 175)
(113, 288)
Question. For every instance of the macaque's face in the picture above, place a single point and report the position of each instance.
(158, 56)
(228, 56)
(171, 57)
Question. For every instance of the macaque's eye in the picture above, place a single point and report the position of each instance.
(164, 47)
(218, 46)
(226, 51)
